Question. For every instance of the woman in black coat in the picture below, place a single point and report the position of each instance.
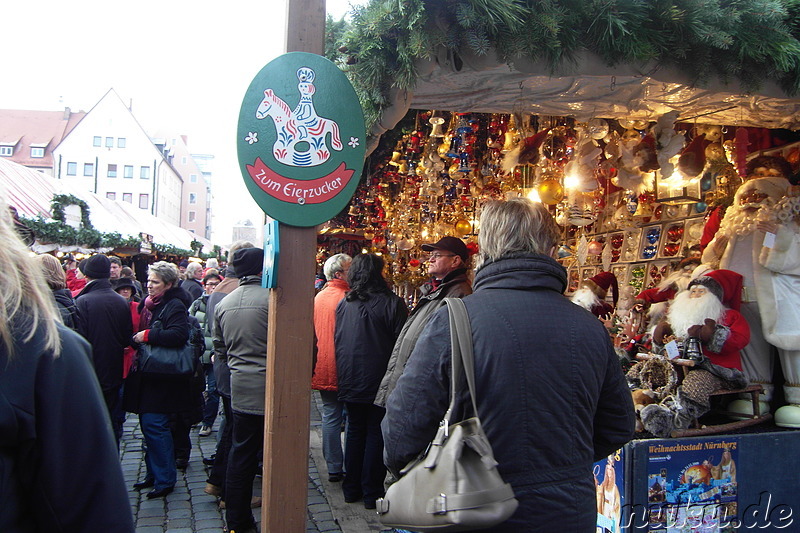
(59, 465)
(368, 321)
(163, 322)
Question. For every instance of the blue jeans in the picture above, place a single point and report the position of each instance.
(332, 416)
(160, 455)
(212, 396)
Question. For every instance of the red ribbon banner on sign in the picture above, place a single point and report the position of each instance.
(301, 192)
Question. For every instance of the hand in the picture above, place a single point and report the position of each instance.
(704, 332)
(768, 227)
(139, 337)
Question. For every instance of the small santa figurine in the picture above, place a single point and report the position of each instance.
(591, 294)
(706, 314)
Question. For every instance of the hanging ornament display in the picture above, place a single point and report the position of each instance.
(550, 191)
(462, 227)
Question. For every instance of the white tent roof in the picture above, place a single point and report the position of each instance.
(31, 192)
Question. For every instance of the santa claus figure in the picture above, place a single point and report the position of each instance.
(671, 285)
(759, 237)
(705, 315)
(591, 294)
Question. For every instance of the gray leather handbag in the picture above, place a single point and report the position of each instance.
(454, 485)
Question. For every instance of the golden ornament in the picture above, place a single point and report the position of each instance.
(462, 226)
(550, 192)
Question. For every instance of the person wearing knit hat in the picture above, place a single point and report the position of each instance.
(96, 267)
(705, 312)
(592, 293)
(757, 240)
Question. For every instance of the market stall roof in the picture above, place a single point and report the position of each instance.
(585, 89)
(31, 192)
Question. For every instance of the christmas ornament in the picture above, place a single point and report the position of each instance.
(608, 256)
(550, 192)
(583, 250)
(597, 128)
(414, 264)
(693, 158)
(462, 227)
(595, 248)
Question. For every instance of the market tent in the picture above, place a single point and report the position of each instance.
(31, 192)
(584, 90)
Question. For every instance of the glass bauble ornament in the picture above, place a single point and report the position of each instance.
(406, 244)
(462, 227)
(414, 264)
(595, 248)
(550, 192)
(597, 128)
(369, 234)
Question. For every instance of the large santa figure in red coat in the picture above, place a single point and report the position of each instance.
(706, 316)
(760, 238)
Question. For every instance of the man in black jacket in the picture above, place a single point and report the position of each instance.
(447, 266)
(106, 324)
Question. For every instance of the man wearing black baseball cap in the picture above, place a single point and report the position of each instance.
(447, 266)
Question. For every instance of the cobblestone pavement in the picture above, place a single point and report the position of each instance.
(190, 510)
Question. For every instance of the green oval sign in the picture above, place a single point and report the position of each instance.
(301, 139)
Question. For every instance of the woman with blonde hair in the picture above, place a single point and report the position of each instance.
(57, 281)
(59, 465)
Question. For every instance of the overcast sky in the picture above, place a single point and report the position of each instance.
(184, 64)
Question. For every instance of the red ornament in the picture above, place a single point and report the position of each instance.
(472, 248)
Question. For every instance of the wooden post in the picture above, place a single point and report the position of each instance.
(291, 336)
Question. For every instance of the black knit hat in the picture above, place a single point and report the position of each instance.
(96, 267)
(248, 262)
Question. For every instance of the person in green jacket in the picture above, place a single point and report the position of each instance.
(198, 310)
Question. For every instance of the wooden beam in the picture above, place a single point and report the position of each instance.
(290, 336)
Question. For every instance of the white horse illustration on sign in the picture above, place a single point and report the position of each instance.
(302, 134)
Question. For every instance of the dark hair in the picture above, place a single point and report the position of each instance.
(770, 161)
(211, 275)
(366, 276)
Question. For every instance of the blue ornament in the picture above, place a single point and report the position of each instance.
(700, 207)
(649, 252)
(706, 181)
(653, 235)
(633, 203)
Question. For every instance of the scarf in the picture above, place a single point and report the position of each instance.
(150, 303)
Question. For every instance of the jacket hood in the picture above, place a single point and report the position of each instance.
(528, 271)
(250, 280)
(179, 293)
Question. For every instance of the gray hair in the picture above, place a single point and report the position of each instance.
(518, 226)
(212, 262)
(166, 271)
(237, 246)
(27, 306)
(334, 264)
(192, 268)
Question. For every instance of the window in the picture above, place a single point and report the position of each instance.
(97, 140)
(128, 171)
(7, 151)
(193, 178)
(37, 152)
(111, 195)
(192, 197)
(72, 169)
(112, 171)
(144, 201)
(109, 142)
(127, 197)
(191, 216)
(144, 173)
(121, 142)
(183, 160)
(88, 169)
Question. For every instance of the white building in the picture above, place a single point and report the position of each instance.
(110, 154)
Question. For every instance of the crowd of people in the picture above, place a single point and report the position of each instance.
(381, 370)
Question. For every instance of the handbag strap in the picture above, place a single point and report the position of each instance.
(462, 354)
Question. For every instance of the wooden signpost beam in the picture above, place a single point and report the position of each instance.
(291, 336)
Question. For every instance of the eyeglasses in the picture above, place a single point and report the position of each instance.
(210, 284)
(436, 255)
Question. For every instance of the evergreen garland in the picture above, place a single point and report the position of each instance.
(62, 201)
(751, 41)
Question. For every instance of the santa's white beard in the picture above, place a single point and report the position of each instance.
(585, 298)
(685, 312)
